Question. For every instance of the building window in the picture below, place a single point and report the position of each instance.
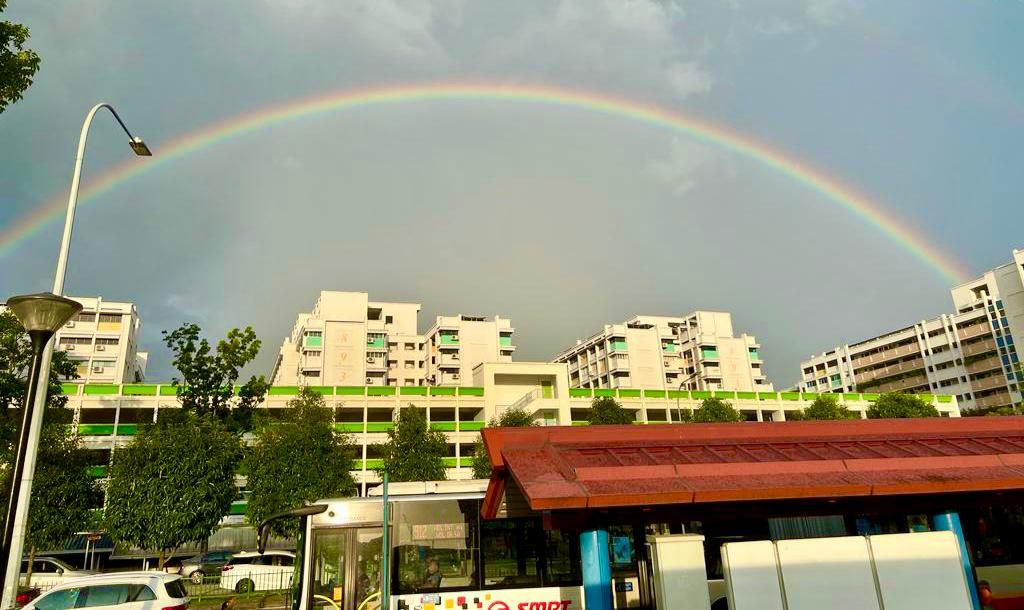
(310, 373)
(410, 364)
(389, 319)
(312, 353)
(410, 346)
(110, 318)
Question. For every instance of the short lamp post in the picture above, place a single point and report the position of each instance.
(679, 409)
(42, 315)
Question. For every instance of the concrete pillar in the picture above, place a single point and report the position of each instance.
(597, 569)
(950, 522)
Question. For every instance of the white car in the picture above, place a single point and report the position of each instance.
(48, 572)
(251, 571)
(120, 590)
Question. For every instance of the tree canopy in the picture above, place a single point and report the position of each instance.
(207, 377)
(173, 483)
(18, 65)
(895, 405)
(715, 410)
(605, 410)
(278, 466)
(509, 418)
(413, 452)
(826, 407)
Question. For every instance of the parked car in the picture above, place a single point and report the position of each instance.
(203, 564)
(25, 595)
(49, 571)
(120, 590)
(251, 571)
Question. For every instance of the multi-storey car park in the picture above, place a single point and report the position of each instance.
(971, 353)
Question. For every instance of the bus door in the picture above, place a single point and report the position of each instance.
(345, 568)
(632, 585)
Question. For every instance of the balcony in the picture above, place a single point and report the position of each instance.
(376, 364)
(889, 371)
(899, 385)
(980, 347)
(619, 364)
(449, 362)
(988, 383)
(999, 399)
(974, 330)
(890, 354)
(986, 364)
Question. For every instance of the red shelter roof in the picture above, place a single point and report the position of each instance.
(610, 466)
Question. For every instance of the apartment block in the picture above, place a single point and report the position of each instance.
(970, 353)
(697, 352)
(103, 340)
(457, 344)
(349, 340)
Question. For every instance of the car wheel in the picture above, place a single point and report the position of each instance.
(245, 586)
(196, 577)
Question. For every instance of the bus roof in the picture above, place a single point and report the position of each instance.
(420, 488)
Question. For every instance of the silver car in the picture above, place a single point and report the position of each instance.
(204, 564)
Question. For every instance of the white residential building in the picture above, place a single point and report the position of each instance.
(457, 344)
(103, 340)
(697, 352)
(970, 353)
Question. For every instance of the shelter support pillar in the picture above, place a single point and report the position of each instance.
(949, 521)
(597, 569)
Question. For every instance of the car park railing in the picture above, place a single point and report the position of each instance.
(262, 590)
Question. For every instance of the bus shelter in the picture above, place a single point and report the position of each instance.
(620, 485)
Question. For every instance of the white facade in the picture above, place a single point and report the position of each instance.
(971, 353)
(697, 352)
(103, 340)
(349, 340)
(457, 344)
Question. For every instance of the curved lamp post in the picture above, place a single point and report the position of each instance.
(42, 315)
(679, 410)
(30, 446)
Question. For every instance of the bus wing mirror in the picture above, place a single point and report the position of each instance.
(263, 531)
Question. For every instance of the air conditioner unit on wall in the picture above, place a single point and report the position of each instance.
(101, 348)
(70, 324)
(369, 359)
(97, 369)
(69, 347)
(455, 375)
(369, 380)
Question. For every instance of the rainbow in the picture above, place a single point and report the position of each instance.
(831, 189)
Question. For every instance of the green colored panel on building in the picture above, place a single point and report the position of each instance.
(723, 394)
(505, 340)
(414, 390)
(349, 427)
(944, 398)
(654, 393)
(926, 397)
(810, 395)
(238, 508)
(443, 426)
(450, 462)
(127, 429)
(101, 389)
(754, 355)
(283, 390)
(581, 423)
(580, 393)
(547, 390)
(700, 394)
(314, 341)
(471, 391)
(349, 390)
(850, 397)
(709, 353)
(379, 426)
(168, 390)
(449, 339)
(746, 395)
(380, 390)
(679, 394)
(629, 393)
(97, 472)
(471, 426)
(95, 429)
(323, 390)
(370, 464)
(767, 396)
(442, 391)
(69, 389)
(604, 392)
(790, 395)
(375, 341)
(668, 348)
(619, 346)
(466, 462)
(870, 397)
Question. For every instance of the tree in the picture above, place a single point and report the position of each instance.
(826, 407)
(413, 452)
(208, 378)
(510, 418)
(18, 65)
(15, 358)
(605, 410)
(715, 410)
(894, 405)
(280, 476)
(63, 493)
(173, 483)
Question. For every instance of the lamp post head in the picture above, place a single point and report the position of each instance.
(140, 147)
(44, 312)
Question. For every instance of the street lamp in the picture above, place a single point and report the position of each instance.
(679, 410)
(42, 315)
(12, 569)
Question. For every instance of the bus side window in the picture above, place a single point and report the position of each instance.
(510, 549)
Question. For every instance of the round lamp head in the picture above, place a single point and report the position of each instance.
(43, 312)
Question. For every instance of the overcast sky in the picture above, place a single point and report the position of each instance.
(560, 219)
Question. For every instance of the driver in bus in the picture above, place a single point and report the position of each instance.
(432, 579)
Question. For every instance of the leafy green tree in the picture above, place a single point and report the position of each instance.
(63, 493)
(207, 380)
(18, 65)
(715, 410)
(413, 452)
(826, 407)
(605, 410)
(173, 483)
(510, 418)
(15, 358)
(894, 405)
(278, 465)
